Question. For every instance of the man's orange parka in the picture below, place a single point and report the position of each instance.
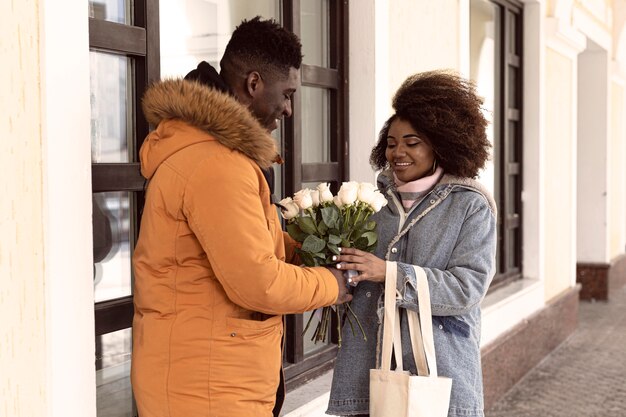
(211, 281)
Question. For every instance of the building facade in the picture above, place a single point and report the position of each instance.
(553, 75)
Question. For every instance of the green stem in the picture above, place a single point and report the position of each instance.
(308, 323)
(357, 321)
(346, 223)
(356, 220)
(347, 316)
(338, 327)
(314, 218)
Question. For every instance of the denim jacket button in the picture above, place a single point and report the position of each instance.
(368, 294)
(432, 201)
(440, 327)
(394, 250)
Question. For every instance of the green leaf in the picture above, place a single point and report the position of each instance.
(371, 248)
(361, 243)
(306, 258)
(295, 232)
(330, 215)
(322, 227)
(307, 225)
(333, 248)
(334, 239)
(320, 255)
(371, 237)
(313, 244)
(371, 225)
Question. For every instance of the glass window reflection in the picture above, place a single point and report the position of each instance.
(192, 31)
(113, 393)
(111, 245)
(111, 107)
(315, 125)
(310, 346)
(314, 32)
(483, 27)
(117, 11)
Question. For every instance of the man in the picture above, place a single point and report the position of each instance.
(212, 279)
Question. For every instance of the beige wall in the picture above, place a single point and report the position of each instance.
(416, 39)
(22, 330)
(599, 9)
(559, 197)
(617, 172)
(390, 40)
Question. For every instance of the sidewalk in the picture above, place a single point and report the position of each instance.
(584, 377)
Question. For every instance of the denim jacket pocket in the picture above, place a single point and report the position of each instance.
(451, 324)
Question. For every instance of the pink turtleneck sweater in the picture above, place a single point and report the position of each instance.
(414, 191)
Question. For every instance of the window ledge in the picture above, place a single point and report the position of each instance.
(507, 306)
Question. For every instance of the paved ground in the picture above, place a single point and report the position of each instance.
(584, 377)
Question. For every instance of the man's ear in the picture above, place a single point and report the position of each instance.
(254, 83)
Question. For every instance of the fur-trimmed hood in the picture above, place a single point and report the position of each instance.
(215, 113)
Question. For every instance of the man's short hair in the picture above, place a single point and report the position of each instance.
(264, 46)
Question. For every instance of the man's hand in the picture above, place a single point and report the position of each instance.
(344, 296)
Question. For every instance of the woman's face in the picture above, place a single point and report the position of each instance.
(410, 156)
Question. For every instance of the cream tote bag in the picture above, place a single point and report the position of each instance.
(398, 393)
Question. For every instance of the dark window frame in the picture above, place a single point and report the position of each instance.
(299, 367)
(140, 41)
(509, 140)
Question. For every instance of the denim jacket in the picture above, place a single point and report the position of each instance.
(451, 234)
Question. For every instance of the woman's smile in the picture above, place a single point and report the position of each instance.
(409, 154)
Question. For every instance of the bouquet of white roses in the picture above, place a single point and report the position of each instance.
(323, 223)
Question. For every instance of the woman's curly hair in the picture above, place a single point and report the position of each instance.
(443, 107)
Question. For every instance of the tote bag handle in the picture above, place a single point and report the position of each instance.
(420, 328)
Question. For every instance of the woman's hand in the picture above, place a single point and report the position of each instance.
(369, 266)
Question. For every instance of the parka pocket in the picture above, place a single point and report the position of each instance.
(252, 328)
(247, 357)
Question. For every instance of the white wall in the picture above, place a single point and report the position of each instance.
(369, 97)
(417, 39)
(617, 170)
(593, 125)
(560, 180)
(23, 339)
(390, 40)
(66, 181)
(46, 290)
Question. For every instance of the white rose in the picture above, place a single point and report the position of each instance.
(325, 194)
(303, 199)
(348, 192)
(379, 201)
(315, 196)
(366, 192)
(337, 201)
(289, 209)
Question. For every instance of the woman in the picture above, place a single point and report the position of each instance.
(438, 218)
